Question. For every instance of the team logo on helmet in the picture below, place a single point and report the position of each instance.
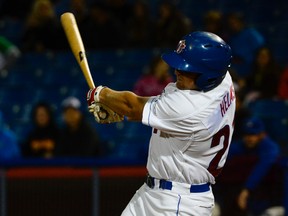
(181, 46)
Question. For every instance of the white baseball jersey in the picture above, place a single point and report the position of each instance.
(191, 133)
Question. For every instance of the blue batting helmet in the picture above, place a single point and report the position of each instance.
(203, 53)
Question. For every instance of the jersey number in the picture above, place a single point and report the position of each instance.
(225, 133)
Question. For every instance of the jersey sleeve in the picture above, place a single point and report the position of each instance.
(170, 113)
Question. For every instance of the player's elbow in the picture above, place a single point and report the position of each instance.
(134, 107)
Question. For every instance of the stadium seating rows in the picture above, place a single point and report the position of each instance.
(52, 77)
(269, 18)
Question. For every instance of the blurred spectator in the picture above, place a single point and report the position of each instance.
(250, 161)
(42, 141)
(153, 82)
(42, 30)
(77, 138)
(102, 31)
(244, 41)
(9, 147)
(263, 80)
(141, 26)
(171, 25)
(283, 85)
(9, 53)
(213, 22)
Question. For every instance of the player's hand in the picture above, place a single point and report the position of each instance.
(93, 95)
(104, 114)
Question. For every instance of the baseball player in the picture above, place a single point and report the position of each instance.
(192, 126)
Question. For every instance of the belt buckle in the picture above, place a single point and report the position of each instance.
(150, 181)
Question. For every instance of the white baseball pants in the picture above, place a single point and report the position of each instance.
(157, 201)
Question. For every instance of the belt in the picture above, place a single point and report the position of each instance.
(175, 186)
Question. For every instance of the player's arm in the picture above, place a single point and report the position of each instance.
(125, 103)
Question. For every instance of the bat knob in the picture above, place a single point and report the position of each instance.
(103, 114)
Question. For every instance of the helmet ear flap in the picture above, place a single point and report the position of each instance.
(208, 83)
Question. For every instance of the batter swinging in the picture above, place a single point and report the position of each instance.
(192, 126)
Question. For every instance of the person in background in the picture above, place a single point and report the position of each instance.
(77, 137)
(244, 41)
(42, 141)
(153, 82)
(263, 80)
(42, 30)
(249, 161)
(9, 146)
(255, 141)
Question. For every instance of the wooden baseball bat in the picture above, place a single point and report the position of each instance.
(75, 41)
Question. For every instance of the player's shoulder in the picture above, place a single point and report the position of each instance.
(184, 102)
(190, 102)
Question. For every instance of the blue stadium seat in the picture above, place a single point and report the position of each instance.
(124, 139)
(24, 76)
(38, 60)
(133, 141)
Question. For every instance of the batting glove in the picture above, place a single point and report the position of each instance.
(104, 114)
(101, 112)
(93, 95)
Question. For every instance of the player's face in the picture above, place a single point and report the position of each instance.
(185, 81)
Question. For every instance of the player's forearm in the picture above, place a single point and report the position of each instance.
(124, 102)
